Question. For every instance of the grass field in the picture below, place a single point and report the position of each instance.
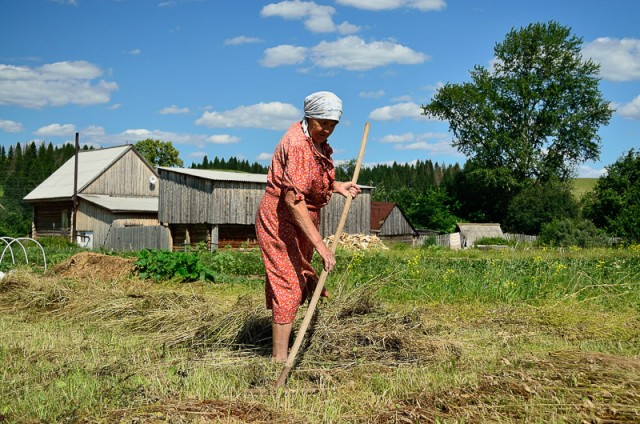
(409, 335)
(581, 186)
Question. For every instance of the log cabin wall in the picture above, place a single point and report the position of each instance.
(129, 176)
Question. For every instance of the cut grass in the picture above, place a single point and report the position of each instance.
(382, 349)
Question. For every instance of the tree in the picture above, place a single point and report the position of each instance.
(159, 153)
(539, 204)
(614, 203)
(535, 115)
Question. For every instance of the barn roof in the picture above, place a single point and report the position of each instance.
(478, 231)
(209, 174)
(123, 204)
(379, 212)
(91, 164)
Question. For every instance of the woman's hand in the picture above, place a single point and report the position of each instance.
(347, 189)
(328, 260)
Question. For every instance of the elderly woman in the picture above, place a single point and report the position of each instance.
(300, 182)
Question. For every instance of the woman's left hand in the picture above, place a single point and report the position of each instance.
(347, 189)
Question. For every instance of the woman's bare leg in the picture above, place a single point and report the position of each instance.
(281, 335)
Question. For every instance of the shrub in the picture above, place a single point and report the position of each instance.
(570, 232)
(492, 241)
(161, 265)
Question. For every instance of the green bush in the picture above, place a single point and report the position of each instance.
(572, 232)
(161, 265)
(492, 241)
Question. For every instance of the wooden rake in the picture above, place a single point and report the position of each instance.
(323, 276)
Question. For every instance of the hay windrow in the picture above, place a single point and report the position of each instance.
(606, 390)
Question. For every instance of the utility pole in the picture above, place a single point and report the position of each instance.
(74, 210)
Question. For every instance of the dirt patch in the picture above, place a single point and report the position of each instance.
(207, 411)
(89, 265)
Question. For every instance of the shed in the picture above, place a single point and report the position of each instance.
(469, 233)
(219, 207)
(388, 222)
(117, 187)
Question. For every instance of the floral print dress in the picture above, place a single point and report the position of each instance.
(286, 251)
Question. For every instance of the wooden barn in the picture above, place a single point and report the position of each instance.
(469, 233)
(388, 222)
(218, 208)
(117, 188)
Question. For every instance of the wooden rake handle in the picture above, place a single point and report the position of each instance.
(323, 276)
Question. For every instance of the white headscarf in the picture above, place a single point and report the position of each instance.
(323, 105)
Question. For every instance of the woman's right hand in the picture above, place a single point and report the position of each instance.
(328, 260)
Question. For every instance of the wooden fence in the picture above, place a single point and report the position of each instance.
(123, 239)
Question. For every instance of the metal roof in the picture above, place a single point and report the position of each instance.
(123, 204)
(219, 175)
(91, 164)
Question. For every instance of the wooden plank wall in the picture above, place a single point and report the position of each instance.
(99, 220)
(128, 176)
(186, 199)
(48, 219)
(395, 224)
(358, 219)
(123, 239)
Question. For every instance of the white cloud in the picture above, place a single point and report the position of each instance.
(10, 126)
(272, 116)
(115, 106)
(166, 3)
(424, 5)
(197, 155)
(619, 59)
(438, 148)
(223, 139)
(69, 2)
(586, 171)
(283, 55)
(398, 138)
(174, 110)
(372, 94)
(411, 137)
(398, 111)
(241, 39)
(630, 110)
(55, 84)
(317, 18)
(351, 53)
(135, 52)
(354, 54)
(264, 156)
(56, 130)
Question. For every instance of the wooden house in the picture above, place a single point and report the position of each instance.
(388, 222)
(218, 208)
(116, 188)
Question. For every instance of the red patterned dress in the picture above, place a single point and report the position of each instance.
(297, 166)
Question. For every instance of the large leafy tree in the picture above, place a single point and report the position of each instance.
(159, 153)
(534, 116)
(614, 203)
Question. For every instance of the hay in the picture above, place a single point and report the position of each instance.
(95, 266)
(595, 387)
(357, 242)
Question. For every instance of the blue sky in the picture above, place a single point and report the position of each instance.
(226, 77)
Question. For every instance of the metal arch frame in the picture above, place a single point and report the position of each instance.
(10, 240)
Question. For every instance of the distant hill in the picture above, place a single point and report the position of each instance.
(581, 186)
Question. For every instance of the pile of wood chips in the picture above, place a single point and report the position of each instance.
(357, 242)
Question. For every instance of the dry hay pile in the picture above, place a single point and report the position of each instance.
(95, 266)
(357, 242)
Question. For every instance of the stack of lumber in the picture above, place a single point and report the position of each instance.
(357, 242)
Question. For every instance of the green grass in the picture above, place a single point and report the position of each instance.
(412, 335)
(581, 186)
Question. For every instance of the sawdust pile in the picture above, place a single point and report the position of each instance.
(357, 242)
(96, 266)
